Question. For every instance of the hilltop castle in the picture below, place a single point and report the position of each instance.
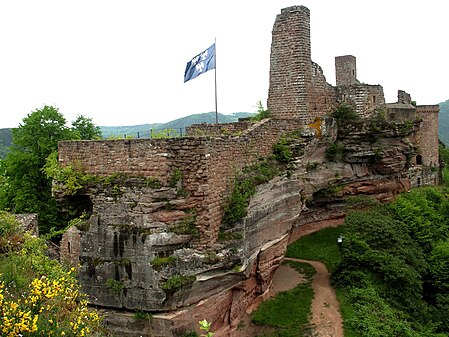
(159, 216)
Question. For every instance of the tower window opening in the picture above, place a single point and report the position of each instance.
(418, 159)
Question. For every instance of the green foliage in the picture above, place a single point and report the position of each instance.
(177, 281)
(70, 179)
(85, 128)
(24, 186)
(229, 236)
(344, 114)
(142, 315)
(425, 213)
(206, 326)
(335, 152)
(152, 182)
(245, 186)
(288, 312)
(165, 133)
(115, 286)
(175, 178)
(186, 226)
(160, 262)
(262, 113)
(282, 151)
(329, 191)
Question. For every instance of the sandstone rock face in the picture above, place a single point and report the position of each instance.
(140, 250)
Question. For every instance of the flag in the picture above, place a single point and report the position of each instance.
(200, 64)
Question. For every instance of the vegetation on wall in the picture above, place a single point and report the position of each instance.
(245, 186)
(344, 114)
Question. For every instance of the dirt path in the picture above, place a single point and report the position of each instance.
(326, 319)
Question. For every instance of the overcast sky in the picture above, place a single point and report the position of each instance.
(122, 62)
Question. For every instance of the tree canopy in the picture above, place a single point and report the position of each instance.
(24, 187)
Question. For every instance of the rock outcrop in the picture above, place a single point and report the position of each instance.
(139, 249)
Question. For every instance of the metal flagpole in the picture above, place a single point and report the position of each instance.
(216, 105)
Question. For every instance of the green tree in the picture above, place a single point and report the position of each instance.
(85, 128)
(24, 187)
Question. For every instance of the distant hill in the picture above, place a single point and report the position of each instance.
(178, 125)
(5, 141)
(443, 123)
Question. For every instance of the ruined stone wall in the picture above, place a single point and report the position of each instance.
(207, 165)
(364, 98)
(345, 70)
(290, 64)
(224, 129)
(427, 137)
(70, 248)
(229, 155)
(321, 95)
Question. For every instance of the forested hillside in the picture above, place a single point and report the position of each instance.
(5, 141)
(176, 125)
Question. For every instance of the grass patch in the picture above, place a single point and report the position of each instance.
(321, 246)
(288, 312)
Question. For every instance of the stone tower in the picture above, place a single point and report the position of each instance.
(290, 63)
(298, 88)
(345, 70)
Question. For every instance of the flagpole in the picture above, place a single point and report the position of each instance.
(216, 105)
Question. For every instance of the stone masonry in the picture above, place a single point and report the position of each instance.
(144, 214)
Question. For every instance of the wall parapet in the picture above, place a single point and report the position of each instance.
(208, 165)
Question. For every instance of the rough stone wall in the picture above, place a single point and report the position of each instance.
(404, 97)
(229, 155)
(345, 70)
(364, 98)
(427, 137)
(400, 112)
(70, 248)
(320, 95)
(224, 129)
(290, 64)
(208, 165)
(29, 222)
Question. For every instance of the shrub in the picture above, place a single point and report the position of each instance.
(344, 114)
(160, 262)
(282, 151)
(262, 113)
(175, 177)
(177, 281)
(39, 298)
(335, 152)
(114, 286)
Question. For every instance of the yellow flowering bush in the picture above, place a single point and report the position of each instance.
(47, 308)
(38, 296)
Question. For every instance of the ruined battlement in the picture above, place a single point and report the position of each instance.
(150, 228)
(207, 164)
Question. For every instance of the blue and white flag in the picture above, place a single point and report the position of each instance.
(200, 64)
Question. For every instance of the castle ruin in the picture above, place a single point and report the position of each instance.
(167, 200)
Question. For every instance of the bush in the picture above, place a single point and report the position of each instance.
(282, 152)
(177, 281)
(345, 114)
(38, 297)
(334, 152)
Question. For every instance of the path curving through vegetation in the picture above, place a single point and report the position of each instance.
(326, 318)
